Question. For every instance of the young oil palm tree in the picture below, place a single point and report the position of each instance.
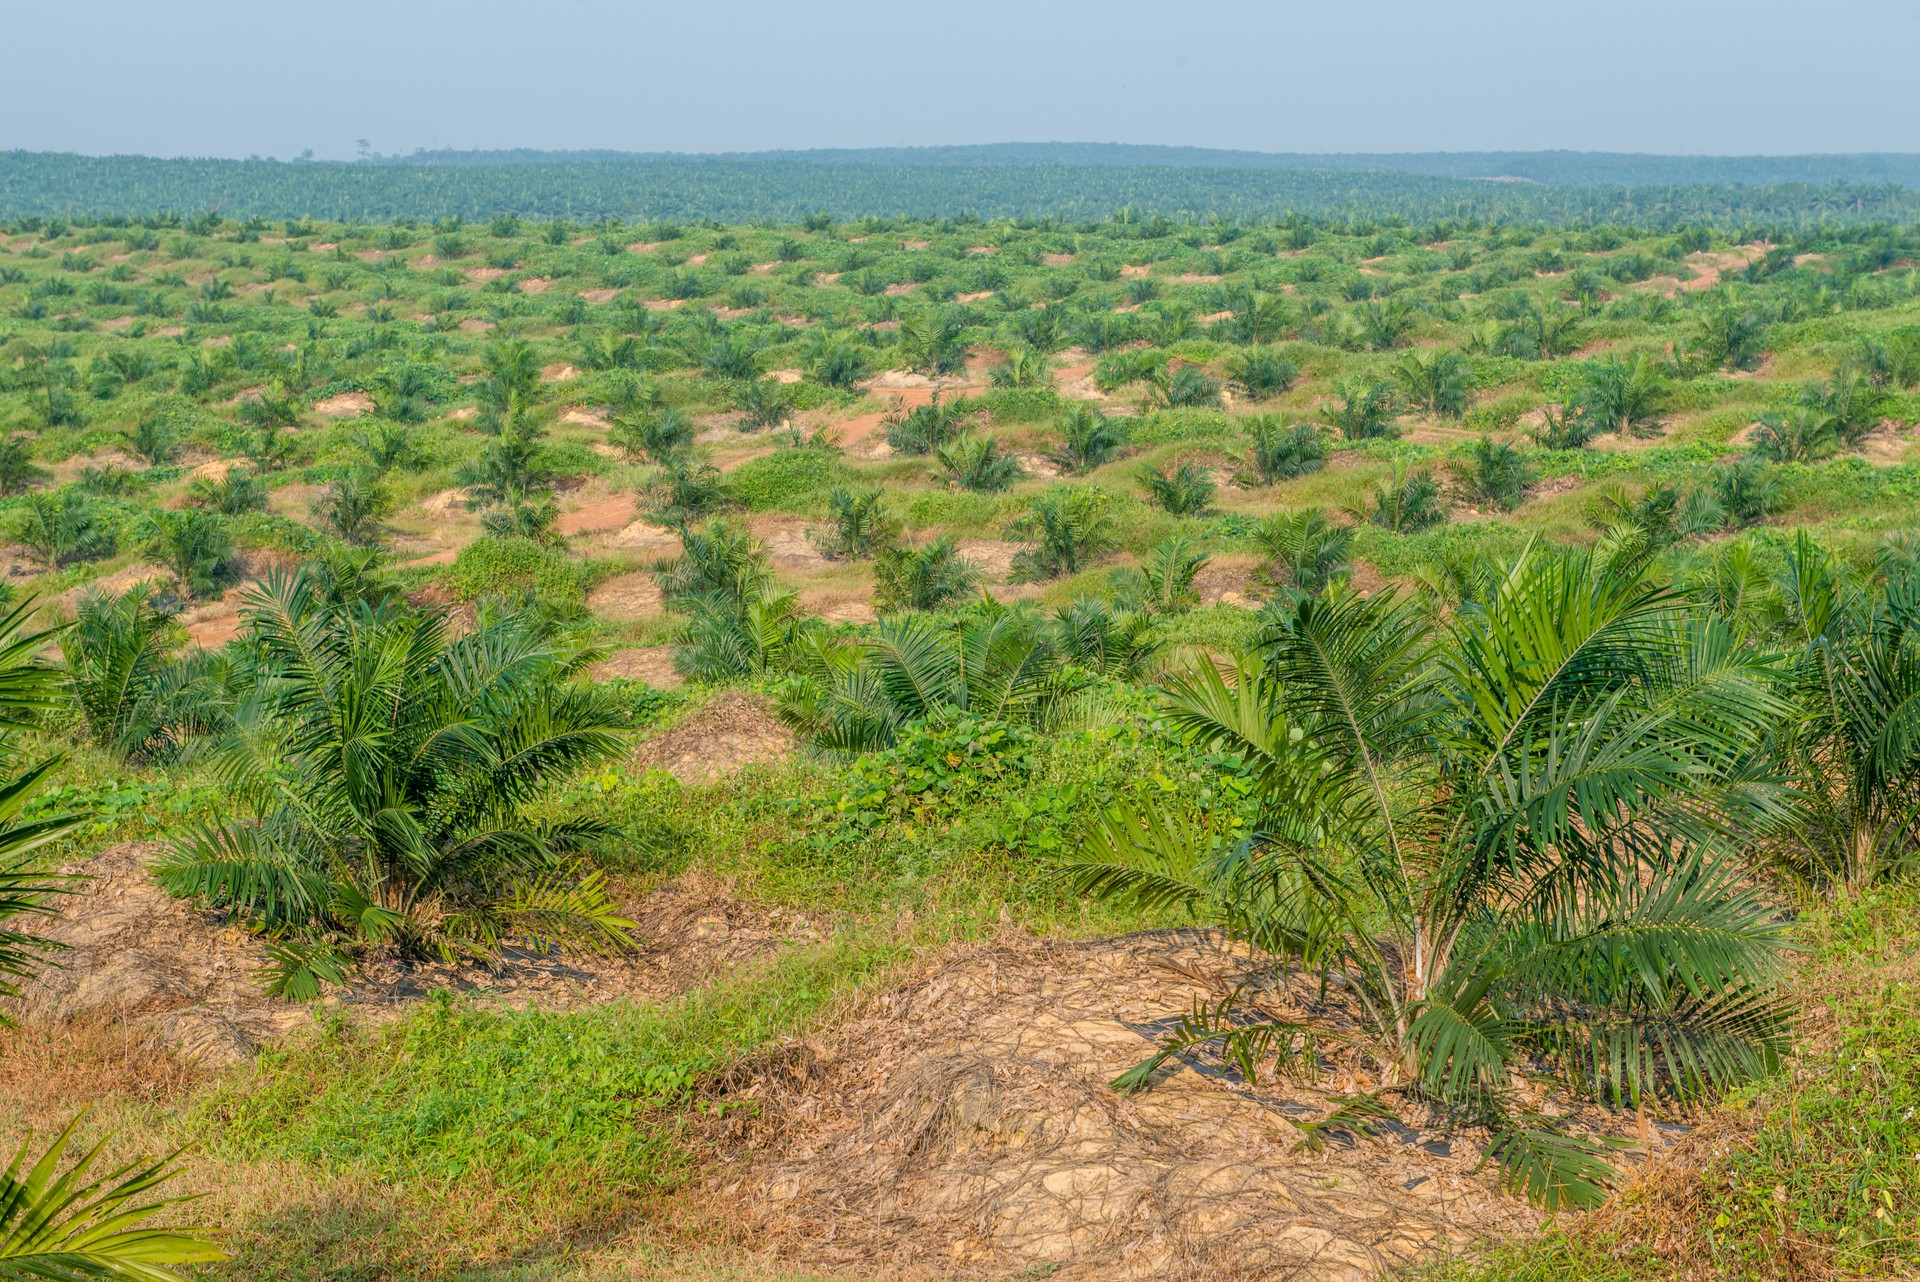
(140, 698)
(1855, 747)
(1068, 528)
(1281, 450)
(1508, 838)
(930, 577)
(973, 462)
(73, 1226)
(1182, 490)
(858, 525)
(382, 774)
(1163, 582)
(1088, 438)
(1306, 549)
(191, 545)
(853, 697)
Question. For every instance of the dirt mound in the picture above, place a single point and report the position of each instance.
(652, 664)
(191, 977)
(345, 405)
(963, 1126)
(627, 597)
(734, 730)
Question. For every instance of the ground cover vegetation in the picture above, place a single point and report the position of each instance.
(1505, 638)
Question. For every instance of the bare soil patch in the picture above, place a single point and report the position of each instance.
(627, 597)
(345, 405)
(190, 977)
(608, 514)
(652, 664)
(732, 731)
(961, 1126)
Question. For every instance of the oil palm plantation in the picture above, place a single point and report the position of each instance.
(382, 772)
(1505, 842)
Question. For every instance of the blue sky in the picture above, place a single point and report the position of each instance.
(1686, 76)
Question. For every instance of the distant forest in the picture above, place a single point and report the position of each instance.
(1074, 182)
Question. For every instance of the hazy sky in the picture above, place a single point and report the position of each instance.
(215, 77)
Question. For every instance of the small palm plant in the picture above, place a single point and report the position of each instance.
(973, 462)
(193, 546)
(1509, 840)
(1407, 501)
(1855, 748)
(930, 577)
(858, 525)
(1365, 411)
(1281, 451)
(1186, 489)
(140, 699)
(1068, 527)
(1163, 582)
(383, 773)
(70, 1226)
(1088, 438)
(1306, 549)
(1493, 474)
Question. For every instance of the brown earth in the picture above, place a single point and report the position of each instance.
(627, 597)
(652, 664)
(733, 730)
(961, 1126)
(191, 976)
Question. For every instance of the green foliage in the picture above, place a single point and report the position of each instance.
(384, 773)
(76, 1226)
(1576, 915)
(1068, 528)
(932, 576)
(511, 566)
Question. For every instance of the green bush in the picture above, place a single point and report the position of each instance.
(786, 479)
(512, 565)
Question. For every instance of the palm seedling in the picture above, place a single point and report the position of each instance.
(235, 492)
(1855, 748)
(1435, 382)
(384, 775)
(1503, 841)
(852, 697)
(721, 561)
(1620, 396)
(1262, 372)
(1493, 474)
(1281, 451)
(1182, 490)
(1407, 501)
(1798, 435)
(659, 435)
(932, 341)
(973, 462)
(933, 576)
(1306, 550)
(190, 545)
(1067, 529)
(61, 528)
(925, 428)
(352, 507)
(1107, 638)
(140, 699)
(858, 525)
(1088, 439)
(1364, 412)
(1162, 584)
